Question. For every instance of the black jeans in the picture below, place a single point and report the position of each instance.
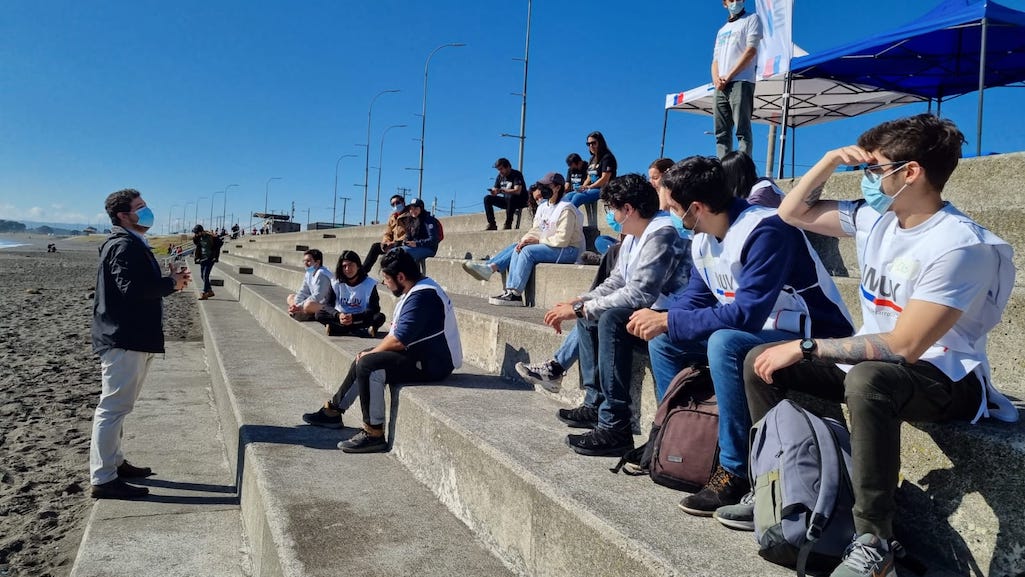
(329, 317)
(879, 396)
(510, 204)
(391, 367)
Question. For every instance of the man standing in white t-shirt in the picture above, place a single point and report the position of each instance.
(933, 284)
(733, 74)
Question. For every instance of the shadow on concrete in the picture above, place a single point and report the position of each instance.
(183, 486)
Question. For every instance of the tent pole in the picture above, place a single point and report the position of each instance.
(793, 152)
(770, 150)
(665, 121)
(939, 107)
(982, 89)
(783, 125)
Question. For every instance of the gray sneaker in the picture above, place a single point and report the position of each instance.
(866, 556)
(477, 270)
(547, 375)
(740, 516)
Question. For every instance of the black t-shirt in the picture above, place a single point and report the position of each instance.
(576, 176)
(514, 179)
(606, 164)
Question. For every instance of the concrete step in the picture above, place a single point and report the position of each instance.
(190, 524)
(490, 451)
(930, 452)
(309, 509)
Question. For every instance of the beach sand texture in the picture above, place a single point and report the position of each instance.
(49, 385)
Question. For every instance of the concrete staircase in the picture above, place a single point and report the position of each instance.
(486, 450)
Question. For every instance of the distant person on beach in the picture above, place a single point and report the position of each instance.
(422, 346)
(127, 332)
(733, 75)
(315, 292)
(509, 193)
(394, 233)
(206, 253)
(357, 309)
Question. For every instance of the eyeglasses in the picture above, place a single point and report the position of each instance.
(592, 143)
(876, 172)
(609, 208)
(395, 204)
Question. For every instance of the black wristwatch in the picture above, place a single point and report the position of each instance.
(578, 308)
(808, 347)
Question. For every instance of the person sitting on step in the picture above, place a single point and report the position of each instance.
(423, 345)
(556, 237)
(394, 233)
(315, 291)
(423, 231)
(357, 309)
(509, 193)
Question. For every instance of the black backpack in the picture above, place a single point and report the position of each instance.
(683, 446)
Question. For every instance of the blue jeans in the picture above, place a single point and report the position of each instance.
(419, 253)
(204, 272)
(733, 107)
(569, 350)
(521, 264)
(606, 364)
(581, 198)
(725, 351)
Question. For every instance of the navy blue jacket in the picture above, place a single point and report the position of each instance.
(130, 287)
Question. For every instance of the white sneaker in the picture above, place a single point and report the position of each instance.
(545, 375)
(477, 270)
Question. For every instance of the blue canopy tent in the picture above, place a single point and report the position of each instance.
(960, 46)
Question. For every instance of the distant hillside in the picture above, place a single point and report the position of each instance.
(54, 228)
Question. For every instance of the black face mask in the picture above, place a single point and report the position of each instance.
(547, 193)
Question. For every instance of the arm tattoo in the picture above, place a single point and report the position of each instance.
(814, 195)
(856, 349)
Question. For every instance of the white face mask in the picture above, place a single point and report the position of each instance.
(735, 7)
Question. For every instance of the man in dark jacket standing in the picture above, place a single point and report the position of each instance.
(127, 331)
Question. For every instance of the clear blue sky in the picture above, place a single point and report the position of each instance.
(180, 99)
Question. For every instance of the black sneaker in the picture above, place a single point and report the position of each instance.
(740, 516)
(582, 417)
(322, 419)
(491, 227)
(547, 375)
(127, 470)
(506, 299)
(722, 489)
(117, 489)
(364, 442)
(602, 443)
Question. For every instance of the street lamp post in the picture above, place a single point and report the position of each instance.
(423, 117)
(197, 207)
(185, 215)
(380, 169)
(224, 208)
(173, 206)
(212, 195)
(266, 192)
(334, 199)
(366, 165)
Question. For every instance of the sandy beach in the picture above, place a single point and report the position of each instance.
(49, 385)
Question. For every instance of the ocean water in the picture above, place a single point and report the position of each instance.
(7, 243)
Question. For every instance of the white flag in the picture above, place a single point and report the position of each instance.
(776, 48)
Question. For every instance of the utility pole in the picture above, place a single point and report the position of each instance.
(403, 191)
(452, 207)
(434, 205)
(345, 203)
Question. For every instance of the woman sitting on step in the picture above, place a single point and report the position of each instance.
(357, 309)
(557, 236)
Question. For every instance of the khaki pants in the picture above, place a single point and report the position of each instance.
(123, 374)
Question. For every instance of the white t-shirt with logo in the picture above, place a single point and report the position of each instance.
(731, 42)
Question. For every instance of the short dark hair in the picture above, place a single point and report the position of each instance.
(633, 189)
(316, 255)
(698, 179)
(399, 261)
(740, 173)
(353, 257)
(120, 201)
(503, 163)
(932, 142)
(396, 196)
(573, 158)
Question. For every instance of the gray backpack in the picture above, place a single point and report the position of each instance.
(800, 471)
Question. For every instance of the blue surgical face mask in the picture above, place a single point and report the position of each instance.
(610, 219)
(145, 216)
(872, 190)
(678, 225)
(398, 208)
(735, 7)
(311, 269)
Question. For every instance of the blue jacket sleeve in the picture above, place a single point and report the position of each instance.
(766, 260)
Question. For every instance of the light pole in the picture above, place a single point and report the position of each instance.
(224, 208)
(173, 206)
(345, 205)
(185, 213)
(212, 195)
(197, 207)
(380, 169)
(423, 117)
(266, 192)
(334, 200)
(366, 165)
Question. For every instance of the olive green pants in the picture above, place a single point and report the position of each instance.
(879, 397)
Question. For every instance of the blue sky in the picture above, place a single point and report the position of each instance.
(181, 99)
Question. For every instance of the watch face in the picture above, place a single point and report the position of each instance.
(807, 345)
